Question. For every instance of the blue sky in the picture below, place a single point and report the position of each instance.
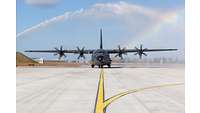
(154, 23)
(28, 15)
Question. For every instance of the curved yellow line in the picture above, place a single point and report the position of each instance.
(101, 104)
(115, 97)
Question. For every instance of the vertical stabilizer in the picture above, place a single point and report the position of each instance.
(101, 43)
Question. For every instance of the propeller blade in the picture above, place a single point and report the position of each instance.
(80, 52)
(59, 57)
(124, 49)
(144, 54)
(78, 57)
(64, 55)
(116, 55)
(83, 56)
(140, 51)
(78, 49)
(83, 49)
(56, 48)
(119, 47)
(61, 47)
(140, 56)
(121, 51)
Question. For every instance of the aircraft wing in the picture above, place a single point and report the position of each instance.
(150, 50)
(64, 51)
(113, 51)
(61, 52)
(138, 51)
(42, 51)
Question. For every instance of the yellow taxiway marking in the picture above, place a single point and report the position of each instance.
(101, 104)
(115, 97)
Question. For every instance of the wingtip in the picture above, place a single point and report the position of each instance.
(174, 49)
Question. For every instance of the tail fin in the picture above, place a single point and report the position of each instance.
(101, 43)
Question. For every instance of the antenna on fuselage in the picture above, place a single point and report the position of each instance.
(101, 43)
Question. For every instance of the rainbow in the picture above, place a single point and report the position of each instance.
(171, 18)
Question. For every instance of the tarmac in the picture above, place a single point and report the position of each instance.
(74, 90)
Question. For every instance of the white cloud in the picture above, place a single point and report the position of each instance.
(41, 2)
(122, 10)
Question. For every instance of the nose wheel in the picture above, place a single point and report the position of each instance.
(92, 65)
(100, 66)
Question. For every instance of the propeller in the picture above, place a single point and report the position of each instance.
(59, 52)
(140, 51)
(81, 52)
(121, 52)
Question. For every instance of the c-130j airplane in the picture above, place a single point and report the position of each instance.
(101, 57)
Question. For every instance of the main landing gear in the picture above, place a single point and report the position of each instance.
(109, 66)
(101, 66)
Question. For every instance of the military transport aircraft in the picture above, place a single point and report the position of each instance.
(101, 57)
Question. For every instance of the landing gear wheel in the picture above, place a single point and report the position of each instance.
(100, 66)
(109, 66)
(92, 66)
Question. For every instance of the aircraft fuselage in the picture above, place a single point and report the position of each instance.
(100, 57)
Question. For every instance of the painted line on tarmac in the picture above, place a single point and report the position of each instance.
(101, 104)
(117, 96)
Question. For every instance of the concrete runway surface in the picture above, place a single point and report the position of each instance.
(74, 90)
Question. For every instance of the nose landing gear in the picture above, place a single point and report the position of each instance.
(100, 66)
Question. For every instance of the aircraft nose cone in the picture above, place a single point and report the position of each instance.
(100, 58)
